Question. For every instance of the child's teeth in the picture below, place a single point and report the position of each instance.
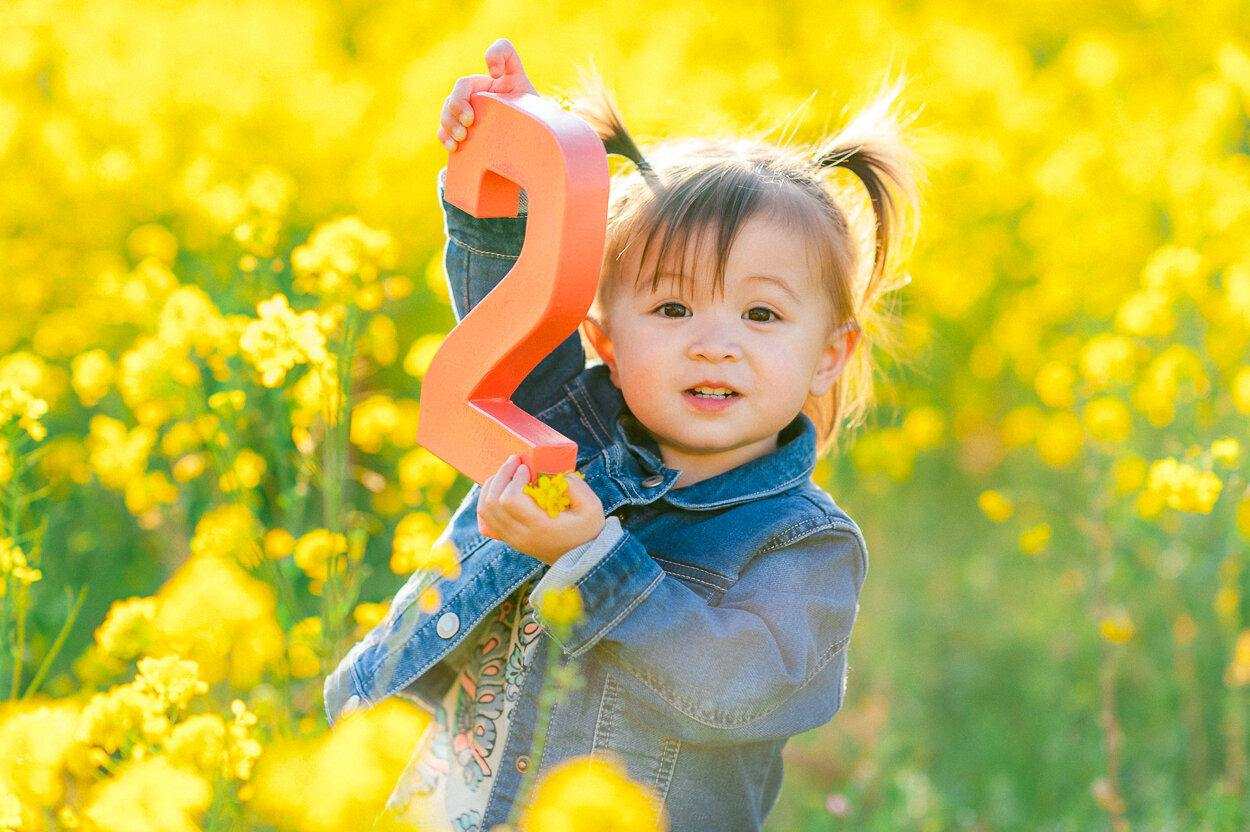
(717, 392)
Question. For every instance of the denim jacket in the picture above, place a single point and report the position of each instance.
(716, 625)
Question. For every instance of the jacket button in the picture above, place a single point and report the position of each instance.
(653, 480)
(523, 763)
(448, 625)
(350, 706)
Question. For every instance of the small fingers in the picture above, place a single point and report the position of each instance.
(457, 112)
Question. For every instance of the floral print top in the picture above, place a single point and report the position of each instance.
(448, 779)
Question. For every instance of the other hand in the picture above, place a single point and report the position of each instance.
(506, 513)
(505, 74)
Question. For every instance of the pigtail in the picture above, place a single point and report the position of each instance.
(595, 105)
(872, 148)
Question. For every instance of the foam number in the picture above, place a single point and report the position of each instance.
(467, 418)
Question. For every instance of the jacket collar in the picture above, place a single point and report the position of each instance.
(789, 465)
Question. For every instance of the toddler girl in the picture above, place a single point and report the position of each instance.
(718, 582)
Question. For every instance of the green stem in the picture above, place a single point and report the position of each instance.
(57, 644)
(333, 474)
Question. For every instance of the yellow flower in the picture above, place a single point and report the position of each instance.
(340, 257)
(582, 795)
(1226, 452)
(923, 427)
(228, 531)
(1108, 419)
(1238, 673)
(1241, 390)
(279, 543)
(13, 564)
(421, 353)
(1129, 473)
(561, 607)
(146, 492)
(424, 477)
(37, 742)
(170, 680)
(314, 550)
(245, 472)
(115, 454)
(303, 645)
(279, 339)
(995, 505)
(373, 420)
(1021, 425)
(1054, 383)
(1059, 439)
(1148, 312)
(1033, 540)
(413, 546)
(129, 629)
(92, 376)
(1184, 487)
(150, 795)
(1107, 358)
(1117, 628)
(125, 715)
(367, 616)
(17, 403)
(549, 492)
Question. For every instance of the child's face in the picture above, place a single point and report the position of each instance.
(715, 376)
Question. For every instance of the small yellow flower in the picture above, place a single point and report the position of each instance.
(1033, 540)
(1238, 673)
(995, 505)
(581, 795)
(1226, 451)
(279, 543)
(548, 492)
(170, 680)
(562, 607)
(1117, 628)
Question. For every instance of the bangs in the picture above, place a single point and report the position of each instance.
(698, 217)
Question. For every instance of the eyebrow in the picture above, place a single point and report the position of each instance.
(779, 283)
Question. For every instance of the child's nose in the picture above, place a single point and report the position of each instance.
(715, 342)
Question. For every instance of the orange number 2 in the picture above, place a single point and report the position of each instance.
(517, 142)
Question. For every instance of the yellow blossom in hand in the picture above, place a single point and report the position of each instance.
(549, 492)
(280, 339)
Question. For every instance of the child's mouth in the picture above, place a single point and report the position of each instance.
(712, 392)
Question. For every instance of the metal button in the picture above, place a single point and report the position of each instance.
(523, 763)
(653, 480)
(350, 706)
(448, 625)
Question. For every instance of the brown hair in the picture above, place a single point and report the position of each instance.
(688, 193)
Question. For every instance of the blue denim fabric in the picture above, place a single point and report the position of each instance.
(716, 627)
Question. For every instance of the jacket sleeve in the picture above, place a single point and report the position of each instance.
(783, 629)
(478, 255)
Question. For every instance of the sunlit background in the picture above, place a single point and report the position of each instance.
(219, 268)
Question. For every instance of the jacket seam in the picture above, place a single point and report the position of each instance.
(715, 575)
(594, 639)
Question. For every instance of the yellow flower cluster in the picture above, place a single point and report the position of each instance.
(583, 795)
(549, 492)
(1182, 486)
(343, 259)
(280, 339)
(14, 568)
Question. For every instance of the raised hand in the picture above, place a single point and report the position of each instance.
(505, 75)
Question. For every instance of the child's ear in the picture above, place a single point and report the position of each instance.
(833, 360)
(602, 345)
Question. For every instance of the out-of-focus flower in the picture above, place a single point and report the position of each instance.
(923, 427)
(995, 505)
(1129, 473)
(228, 531)
(421, 353)
(303, 644)
(314, 550)
(1117, 628)
(280, 339)
(423, 477)
(18, 404)
(13, 564)
(1108, 419)
(1054, 384)
(1059, 439)
(341, 257)
(1107, 358)
(170, 680)
(1226, 452)
(150, 795)
(92, 376)
(1238, 673)
(582, 795)
(415, 547)
(373, 420)
(1033, 540)
(279, 543)
(1184, 487)
(562, 608)
(129, 629)
(116, 454)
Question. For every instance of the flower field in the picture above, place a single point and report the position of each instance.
(220, 263)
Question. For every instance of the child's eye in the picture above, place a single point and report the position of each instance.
(672, 310)
(761, 314)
